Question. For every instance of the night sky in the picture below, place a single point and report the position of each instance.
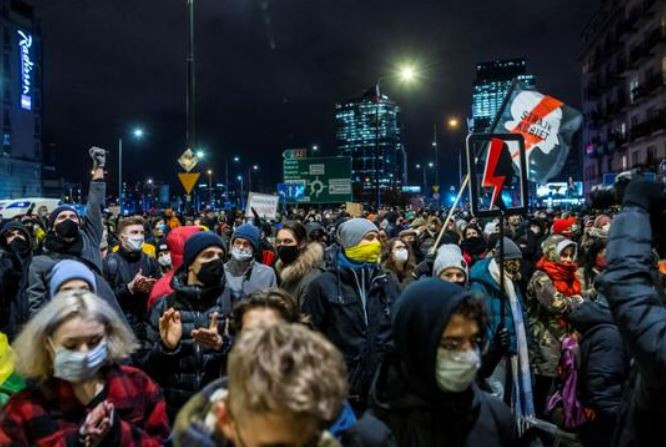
(269, 72)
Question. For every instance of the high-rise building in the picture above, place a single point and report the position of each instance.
(368, 130)
(21, 111)
(493, 80)
(624, 68)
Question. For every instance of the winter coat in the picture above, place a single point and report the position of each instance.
(13, 280)
(402, 281)
(295, 277)
(604, 364)
(120, 268)
(482, 282)
(176, 242)
(186, 369)
(629, 285)
(405, 393)
(256, 276)
(49, 414)
(353, 309)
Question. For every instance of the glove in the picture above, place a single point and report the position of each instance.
(98, 156)
(498, 348)
(645, 194)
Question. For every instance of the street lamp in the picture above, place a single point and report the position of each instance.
(200, 154)
(407, 73)
(240, 179)
(226, 176)
(210, 186)
(453, 124)
(315, 148)
(138, 133)
(255, 168)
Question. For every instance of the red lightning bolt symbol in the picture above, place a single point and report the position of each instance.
(490, 180)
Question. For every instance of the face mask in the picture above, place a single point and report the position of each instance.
(241, 254)
(67, 229)
(536, 230)
(400, 255)
(456, 369)
(74, 366)
(20, 246)
(288, 253)
(164, 260)
(512, 269)
(367, 252)
(135, 243)
(211, 272)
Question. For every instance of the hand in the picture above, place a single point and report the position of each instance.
(144, 285)
(646, 194)
(171, 328)
(132, 285)
(209, 338)
(97, 424)
(98, 156)
(500, 342)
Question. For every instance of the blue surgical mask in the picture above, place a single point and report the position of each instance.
(74, 366)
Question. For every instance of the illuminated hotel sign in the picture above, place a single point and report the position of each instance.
(25, 45)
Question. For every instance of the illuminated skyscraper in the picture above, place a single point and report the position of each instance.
(493, 79)
(358, 135)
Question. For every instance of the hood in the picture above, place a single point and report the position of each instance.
(195, 424)
(176, 242)
(421, 314)
(481, 273)
(14, 225)
(311, 258)
(590, 314)
(553, 246)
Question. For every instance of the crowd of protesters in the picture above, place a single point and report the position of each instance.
(397, 327)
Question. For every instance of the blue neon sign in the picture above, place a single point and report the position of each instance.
(27, 64)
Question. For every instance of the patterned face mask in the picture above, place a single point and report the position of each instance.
(512, 269)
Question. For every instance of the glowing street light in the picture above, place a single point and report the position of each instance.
(150, 181)
(418, 166)
(407, 73)
(200, 154)
(236, 159)
(209, 172)
(453, 123)
(315, 148)
(255, 167)
(138, 132)
(431, 164)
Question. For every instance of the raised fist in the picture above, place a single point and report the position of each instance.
(98, 156)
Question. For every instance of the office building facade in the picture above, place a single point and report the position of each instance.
(624, 99)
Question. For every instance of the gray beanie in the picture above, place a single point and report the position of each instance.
(511, 250)
(353, 231)
(449, 255)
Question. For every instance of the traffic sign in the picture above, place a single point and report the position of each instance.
(319, 179)
(188, 160)
(295, 153)
(188, 180)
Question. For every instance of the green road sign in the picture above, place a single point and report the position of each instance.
(324, 179)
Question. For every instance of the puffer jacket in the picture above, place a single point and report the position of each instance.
(353, 309)
(13, 279)
(295, 277)
(547, 311)
(630, 286)
(183, 371)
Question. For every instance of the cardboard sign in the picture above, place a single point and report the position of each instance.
(354, 209)
(265, 205)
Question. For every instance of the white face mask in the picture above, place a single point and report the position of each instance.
(164, 260)
(74, 366)
(456, 369)
(241, 254)
(400, 255)
(135, 243)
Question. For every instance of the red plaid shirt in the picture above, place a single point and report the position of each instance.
(51, 415)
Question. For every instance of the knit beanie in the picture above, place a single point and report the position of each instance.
(58, 210)
(564, 225)
(449, 255)
(67, 270)
(353, 231)
(248, 232)
(198, 242)
(511, 250)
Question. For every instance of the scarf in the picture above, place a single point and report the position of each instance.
(474, 245)
(563, 276)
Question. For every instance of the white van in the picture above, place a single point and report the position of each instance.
(16, 207)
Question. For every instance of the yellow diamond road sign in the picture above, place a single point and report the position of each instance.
(188, 160)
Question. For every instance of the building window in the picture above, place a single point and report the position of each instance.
(633, 85)
(650, 155)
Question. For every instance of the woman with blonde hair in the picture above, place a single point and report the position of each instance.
(79, 394)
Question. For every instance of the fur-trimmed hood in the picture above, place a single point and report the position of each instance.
(311, 258)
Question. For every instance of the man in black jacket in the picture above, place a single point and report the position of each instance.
(351, 304)
(424, 391)
(630, 285)
(15, 256)
(132, 273)
(185, 345)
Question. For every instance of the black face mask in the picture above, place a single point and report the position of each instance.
(474, 245)
(67, 229)
(211, 272)
(20, 246)
(288, 253)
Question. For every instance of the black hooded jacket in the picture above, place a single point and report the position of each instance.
(13, 279)
(405, 395)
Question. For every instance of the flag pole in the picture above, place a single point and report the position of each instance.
(433, 249)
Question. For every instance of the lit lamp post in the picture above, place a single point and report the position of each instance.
(254, 168)
(407, 74)
(315, 148)
(453, 124)
(210, 186)
(226, 177)
(240, 179)
(137, 134)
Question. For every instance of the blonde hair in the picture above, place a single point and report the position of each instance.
(32, 358)
(286, 368)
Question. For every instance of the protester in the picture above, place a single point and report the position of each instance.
(15, 256)
(185, 330)
(299, 263)
(285, 385)
(351, 304)
(79, 395)
(243, 273)
(71, 275)
(265, 308)
(398, 261)
(424, 391)
(474, 245)
(450, 265)
(163, 258)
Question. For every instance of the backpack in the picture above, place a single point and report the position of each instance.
(563, 403)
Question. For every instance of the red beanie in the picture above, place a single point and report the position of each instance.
(562, 226)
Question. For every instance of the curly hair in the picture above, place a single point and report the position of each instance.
(286, 369)
(387, 259)
(276, 299)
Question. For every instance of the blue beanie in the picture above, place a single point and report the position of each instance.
(248, 232)
(67, 270)
(58, 210)
(198, 242)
